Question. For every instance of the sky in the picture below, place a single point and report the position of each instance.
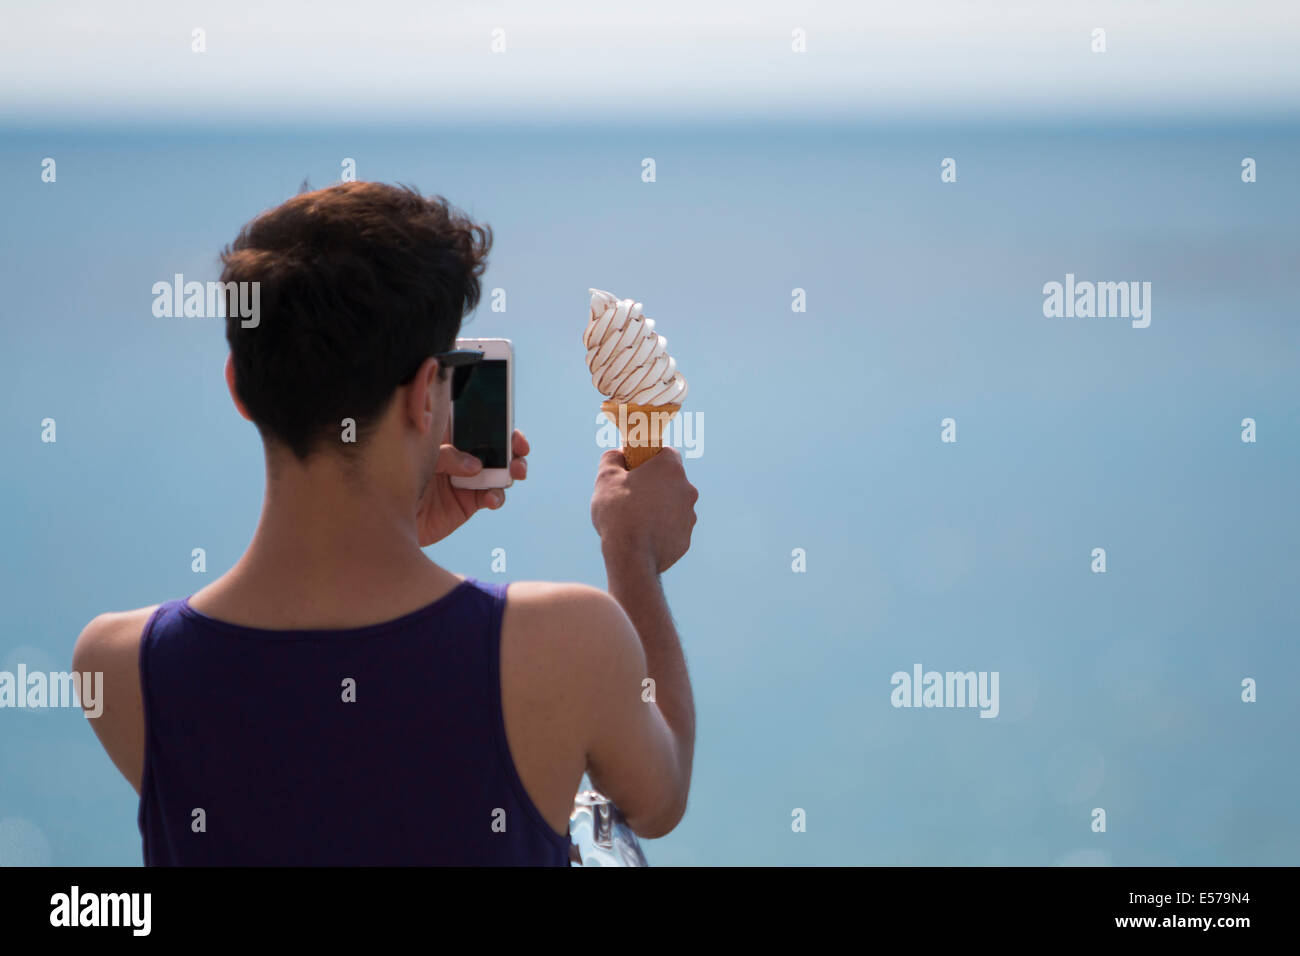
(422, 62)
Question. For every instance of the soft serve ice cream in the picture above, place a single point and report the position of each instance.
(629, 361)
(631, 367)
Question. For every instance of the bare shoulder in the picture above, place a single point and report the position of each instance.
(557, 602)
(110, 645)
(109, 638)
(549, 675)
(574, 639)
(577, 618)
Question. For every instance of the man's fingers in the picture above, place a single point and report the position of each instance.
(612, 460)
(519, 446)
(453, 461)
(491, 498)
(668, 458)
(519, 468)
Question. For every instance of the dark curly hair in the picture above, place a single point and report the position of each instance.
(359, 284)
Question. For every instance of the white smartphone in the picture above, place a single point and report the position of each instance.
(483, 416)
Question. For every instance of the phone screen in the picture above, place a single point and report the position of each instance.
(479, 419)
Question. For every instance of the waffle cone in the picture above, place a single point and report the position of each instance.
(647, 440)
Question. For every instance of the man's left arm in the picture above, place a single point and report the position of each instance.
(110, 645)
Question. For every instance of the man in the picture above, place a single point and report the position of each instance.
(338, 698)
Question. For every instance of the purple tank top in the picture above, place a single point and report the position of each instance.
(379, 745)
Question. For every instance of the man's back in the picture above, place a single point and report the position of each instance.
(486, 694)
(395, 729)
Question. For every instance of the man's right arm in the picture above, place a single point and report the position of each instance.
(634, 754)
(642, 734)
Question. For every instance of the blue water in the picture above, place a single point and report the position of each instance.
(822, 431)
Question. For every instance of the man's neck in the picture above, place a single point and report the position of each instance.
(327, 522)
(331, 549)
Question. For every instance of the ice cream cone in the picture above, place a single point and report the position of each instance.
(641, 427)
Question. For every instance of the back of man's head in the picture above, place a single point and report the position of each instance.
(359, 283)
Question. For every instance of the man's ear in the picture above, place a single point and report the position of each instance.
(230, 384)
(424, 396)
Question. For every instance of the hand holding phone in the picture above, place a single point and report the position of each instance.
(443, 507)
